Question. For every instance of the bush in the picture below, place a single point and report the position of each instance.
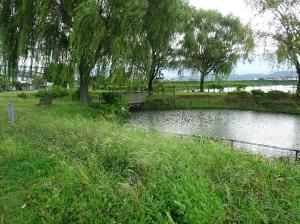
(43, 93)
(239, 94)
(277, 95)
(22, 95)
(58, 92)
(240, 87)
(110, 97)
(119, 110)
(257, 93)
(216, 86)
(75, 95)
(55, 92)
(17, 85)
(155, 103)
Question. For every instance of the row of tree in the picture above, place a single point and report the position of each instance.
(141, 37)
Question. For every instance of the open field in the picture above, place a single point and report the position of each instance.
(67, 164)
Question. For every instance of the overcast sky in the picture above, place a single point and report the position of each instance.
(248, 16)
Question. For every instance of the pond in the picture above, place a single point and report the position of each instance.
(261, 128)
(283, 88)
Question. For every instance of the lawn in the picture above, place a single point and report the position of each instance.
(69, 164)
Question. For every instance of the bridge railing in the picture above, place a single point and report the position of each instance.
(133, 98)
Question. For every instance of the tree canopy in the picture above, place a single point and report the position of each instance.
(160, 26)
(285, 30)
(133, 38)
(213, 43)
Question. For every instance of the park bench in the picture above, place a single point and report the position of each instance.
(46, 101)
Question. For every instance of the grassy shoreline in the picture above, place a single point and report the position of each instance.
(184, 101)
(67, 164)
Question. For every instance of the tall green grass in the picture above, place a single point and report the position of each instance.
(67, 164)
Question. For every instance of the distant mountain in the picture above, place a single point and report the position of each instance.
(284, 75)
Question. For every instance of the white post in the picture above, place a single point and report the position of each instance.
(11, 115)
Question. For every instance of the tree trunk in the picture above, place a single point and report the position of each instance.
(150, 85)
(202, 76)
(84, 86)
(152, 74)
(298, 86)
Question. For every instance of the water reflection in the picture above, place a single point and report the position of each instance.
(263, 128)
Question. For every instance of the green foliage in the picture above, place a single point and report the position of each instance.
(22, 95)
(240, 87)
(67, 165)
(285, 29)
(59, 74)
(17, 34)
(277, 95)
(38, 80)
(43, 93)
(216, 86)
(55, 92)
(17, 85)
(161, 17)
(159, 103)
(240, 94)
(54, 22)
(58, 91)
(110, 97)
(214, 43)
(3, 81)
(117, 110)
(257, 93)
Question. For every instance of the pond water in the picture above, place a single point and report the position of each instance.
(262, 128)
(283, 88)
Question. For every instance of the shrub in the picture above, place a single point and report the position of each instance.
(277, 95)
(118, 110)
(22, 95)
(55, 92)
(75, 95)
(110, 97)
(259, 96)
(257, 93)
(58, 91)
(240, 87)
(17, 85)
(159, 103)
(239, 94)
(43, 93)
(216, 86)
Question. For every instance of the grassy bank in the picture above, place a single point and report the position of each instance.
(66, 164)
(169, 101)
(189, 85)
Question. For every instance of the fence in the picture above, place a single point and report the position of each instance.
(266, 151)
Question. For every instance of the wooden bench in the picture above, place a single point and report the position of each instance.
(46, 101)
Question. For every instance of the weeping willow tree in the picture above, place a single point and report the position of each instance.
(160, 27)
(17, 33)
(54, 19)
(284, 30)
(214, 43)
(102, 31)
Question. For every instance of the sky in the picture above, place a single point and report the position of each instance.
(248, 16)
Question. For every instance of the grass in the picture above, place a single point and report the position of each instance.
(167, 101)
(192, 85)
(67, 164)
(196, 84)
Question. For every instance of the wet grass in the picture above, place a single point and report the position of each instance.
(66, 164)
